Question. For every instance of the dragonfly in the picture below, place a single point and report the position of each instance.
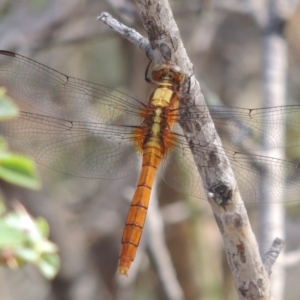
(93, 131)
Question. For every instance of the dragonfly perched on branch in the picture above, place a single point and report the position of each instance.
(89, 130)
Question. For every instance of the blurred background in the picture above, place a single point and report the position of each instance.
(86, 216)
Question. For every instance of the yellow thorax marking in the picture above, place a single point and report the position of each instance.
(162, 97)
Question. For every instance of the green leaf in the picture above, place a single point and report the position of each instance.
(7, 108)
(49, 265)
(18, 170)
(47, 247)
(9, 236)
(42, 226)
(24, 240)
(26, 255)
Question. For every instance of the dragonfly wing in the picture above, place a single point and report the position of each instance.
(179, 170)
(283, 177)
(248, 127)
(59, 95)
(80, 128)
(83, 149)
(242, 127)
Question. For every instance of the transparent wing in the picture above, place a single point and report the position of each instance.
(85, 129)
(180, 172)
(248, 126)
(242, 126)
(179, 169)
(59, 95)
(283, 177)
(83, 149)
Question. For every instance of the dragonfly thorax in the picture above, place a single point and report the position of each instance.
(168, 74)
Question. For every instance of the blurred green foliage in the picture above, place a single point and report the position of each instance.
(23, 239)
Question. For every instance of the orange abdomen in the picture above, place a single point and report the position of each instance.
(152, 156)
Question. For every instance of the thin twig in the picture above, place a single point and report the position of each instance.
(159, 251)
(272, 254)
(128, 33)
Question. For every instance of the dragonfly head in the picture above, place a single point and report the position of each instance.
(168, 74)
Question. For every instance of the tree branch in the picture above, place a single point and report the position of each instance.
(128, 33)
(250, 275)
(272, 254)
(159, 251)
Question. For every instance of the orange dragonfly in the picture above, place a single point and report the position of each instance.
(89, 130)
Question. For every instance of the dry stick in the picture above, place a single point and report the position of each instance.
(159, 251)
(274, 68)
(271, 19)
(271, 256)
(250, 276)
